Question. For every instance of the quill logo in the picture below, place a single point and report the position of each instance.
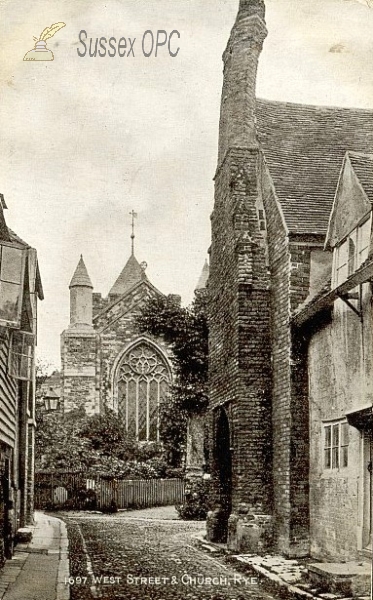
(41, 52)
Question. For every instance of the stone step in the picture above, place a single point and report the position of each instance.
(350, 579)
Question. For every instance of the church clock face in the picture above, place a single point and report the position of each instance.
(143, 381)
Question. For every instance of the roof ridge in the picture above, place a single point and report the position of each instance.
(316, 106)
(117, 300)
(355, 154)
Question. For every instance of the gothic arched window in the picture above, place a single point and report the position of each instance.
(143, 380)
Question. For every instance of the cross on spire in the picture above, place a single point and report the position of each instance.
(133, 215)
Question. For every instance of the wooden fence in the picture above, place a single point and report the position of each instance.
(139, 493)
(73, 490)
(58, 488)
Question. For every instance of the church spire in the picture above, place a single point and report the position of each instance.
(202, 281)
(133, 273)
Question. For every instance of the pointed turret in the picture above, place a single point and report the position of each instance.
(132, 273)
(202, 281)
(81, 277)
(81, 296)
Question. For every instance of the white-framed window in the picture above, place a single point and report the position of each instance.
(21, 355)
(261, 216)
(12, 266)
(352, 251)
(336, 440)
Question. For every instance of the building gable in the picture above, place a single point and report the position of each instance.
(351, 202)
(126, 306)
(304, 148)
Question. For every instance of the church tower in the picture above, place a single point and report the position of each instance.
(239, 335)
(79, 347)
(106, 361)
(81, 297)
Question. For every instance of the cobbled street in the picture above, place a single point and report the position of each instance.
(147, 559)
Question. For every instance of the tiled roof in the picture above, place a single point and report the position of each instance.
(15, 238)
(132, 273)
(362, 164)
(81, 277)
(304, 147)
(4, 231)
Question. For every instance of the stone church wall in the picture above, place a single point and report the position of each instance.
(89, 354)
(78, 356)
(117, 330)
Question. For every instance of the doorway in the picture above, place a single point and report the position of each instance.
(223, 461)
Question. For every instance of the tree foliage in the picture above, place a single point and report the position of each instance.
(96, 444)
(187, 331)
(99, 443)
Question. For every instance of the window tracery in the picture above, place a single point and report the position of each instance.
(143, 379)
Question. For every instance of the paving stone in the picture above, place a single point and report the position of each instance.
(278, 570)
(116, 547)
(290, 578)
(288, 561)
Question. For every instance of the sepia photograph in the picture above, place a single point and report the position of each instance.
(186, 299)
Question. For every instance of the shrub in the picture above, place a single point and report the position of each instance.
(196, 503)
(110, 508)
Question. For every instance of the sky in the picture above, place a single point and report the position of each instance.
(85, 140)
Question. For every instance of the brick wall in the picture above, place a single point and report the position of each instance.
(289, 262)
(237, 113)
(239, 348)
(239, 342)
(257, 367)
(301, 248)
(279, 262)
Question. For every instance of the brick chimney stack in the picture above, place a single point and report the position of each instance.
(239, 304)
(237, 115)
